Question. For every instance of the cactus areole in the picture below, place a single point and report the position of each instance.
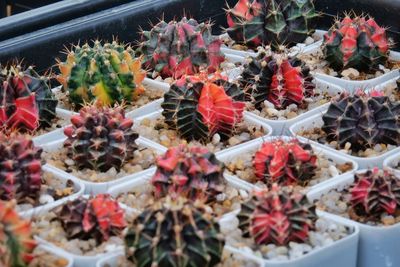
(356, 42)
(26, 100)
(199, 107)
(180, 48)
(271, 22)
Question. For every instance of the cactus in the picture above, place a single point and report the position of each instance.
(177, 233)
(374, 193)
(278, 217)
(98, 217)
(100, 138)
(193, 172)
(20, 168)
(260, 22)
(26, 100)
(363, 120)
(279, 79)
(180, 48)
(285, 163)
(199, 107)
(356, 42)
(16, 241)
(107, 73)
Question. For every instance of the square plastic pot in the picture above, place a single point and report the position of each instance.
(79, 188)
(230, 154)
(316, 121)
(341, 253)
(78, 260)
(378, 245)
(101, 187)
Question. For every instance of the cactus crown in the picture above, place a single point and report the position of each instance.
(285, 163)
(20, 168)
(363, 120)
(277, 78)
(193, 172)
(180, 48)
(98, 217)
(199, 107)
(276, 22)
(107, 73)
(278, 216)
(26, 100)
(100, 138)
(174, 233)
(16, 242)
(356, 42)
(374, 193)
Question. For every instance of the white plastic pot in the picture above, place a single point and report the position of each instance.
(303, 48)
(59, 253)
(249, 118)
(341, 253)
(391, 162)
(78, 260)
(281, 127)
(350, 85)
(378, 245)
(96, 188)
(316, 121)
(78, 187)
(230, 154)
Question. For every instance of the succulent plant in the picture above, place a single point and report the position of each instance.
(98, 217)
(363, 120)
(100, 138)
(20, 168)
(277, 78)
(180, 48)
(193, 172)
(260, 22)
(26, 100)
(374, 193)
(277, 216)
(16, 242)
(285, 162)
(107, 73)
(199, 107)
(174, 233)
(356, 42)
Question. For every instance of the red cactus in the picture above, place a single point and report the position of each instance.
(285, 163)
(356, 42)
(278, 216)
(279, 79)
(375, 192)
(98, 217)
(199, 106)
(193, 172)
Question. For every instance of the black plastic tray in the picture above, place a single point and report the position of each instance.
(41, 47)
(50, 15)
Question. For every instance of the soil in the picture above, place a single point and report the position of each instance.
(158, 131)
(143, 159)
(57, 123)
(52, 189)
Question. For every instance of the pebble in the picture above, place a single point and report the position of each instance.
(233, 141)
(347, 146)
(216, 139)
(272, 112)
(388, 220)
(244, 136)
(350, 73)
(221, 197)
(378, 148)
(309, 40)
(268, 104)
(69, 162)
(292, 107)
(45, 199)
(333, 171)
(291, 115)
